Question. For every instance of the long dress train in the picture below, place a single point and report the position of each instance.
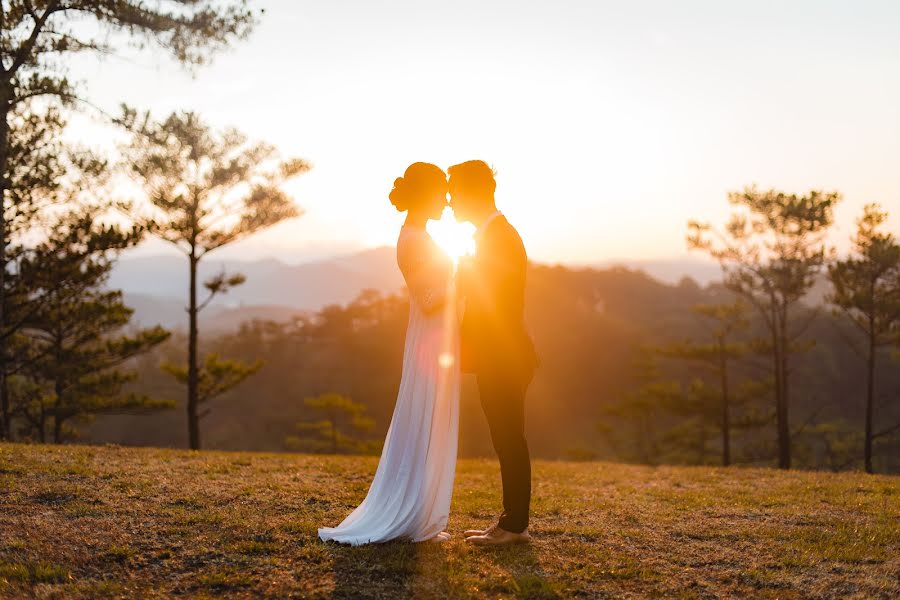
(409, 498)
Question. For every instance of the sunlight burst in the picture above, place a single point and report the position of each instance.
(454, 238)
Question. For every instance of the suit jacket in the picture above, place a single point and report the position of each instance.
(493, 337)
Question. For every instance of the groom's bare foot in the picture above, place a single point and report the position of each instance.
(500, 537)
(473, 532)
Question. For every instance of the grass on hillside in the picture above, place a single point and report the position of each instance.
(110, 521)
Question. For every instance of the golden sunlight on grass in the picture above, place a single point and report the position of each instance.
(88, 522)
(454, 238)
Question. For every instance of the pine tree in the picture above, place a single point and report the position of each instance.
(214, 377)
(40, 173)
(867, 291)
(38, 40)
(771, 251)
(206, 190)
(78, 348)
(332, 433)
(715, 402)
(633, 424)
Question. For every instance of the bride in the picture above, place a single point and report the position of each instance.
(409, 498)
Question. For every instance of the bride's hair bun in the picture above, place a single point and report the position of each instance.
(420, 183)
(400, 195)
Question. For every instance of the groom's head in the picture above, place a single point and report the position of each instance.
(472, 188)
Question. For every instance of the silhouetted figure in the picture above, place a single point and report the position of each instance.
(494, 343)
(409, 498)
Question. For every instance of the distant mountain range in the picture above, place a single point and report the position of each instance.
(216, 318)
(156, 286)
(670, 270)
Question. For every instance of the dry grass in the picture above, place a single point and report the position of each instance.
(121, 522)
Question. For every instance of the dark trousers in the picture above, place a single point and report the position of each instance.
(503, 401)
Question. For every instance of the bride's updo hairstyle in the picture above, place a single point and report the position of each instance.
(420, 184)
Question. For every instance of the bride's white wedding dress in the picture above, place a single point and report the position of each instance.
(409, 498)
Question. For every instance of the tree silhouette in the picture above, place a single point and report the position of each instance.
(206, 190)
(771, 251)
(715, 402)
(640, 410)
(675, 413)
(38, 40)
(339, 413)
(837, 441)
(867, 291)
(77, 347)
(41, 172)
(214, 377)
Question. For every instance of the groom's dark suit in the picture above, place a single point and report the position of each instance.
(496, 347)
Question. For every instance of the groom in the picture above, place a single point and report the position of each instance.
(494, 343)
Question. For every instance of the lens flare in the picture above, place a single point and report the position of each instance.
(446, 360)
(454, 238)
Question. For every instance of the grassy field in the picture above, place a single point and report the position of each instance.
(110, 521)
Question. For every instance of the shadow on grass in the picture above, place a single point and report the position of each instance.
(403, 570)
(389, 570)
(525, 576)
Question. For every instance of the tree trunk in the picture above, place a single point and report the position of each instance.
(58, 391)
(5, 416)
(334, 433)
(42, 422)
(780, 413)
(784, 430)
(870, 396)
(57, 429)
(5, 107)
(193, 419)
(57, 409)
(726, 425)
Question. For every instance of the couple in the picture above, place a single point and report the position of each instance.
(409, 498)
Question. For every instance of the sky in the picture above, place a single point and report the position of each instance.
(609, 124)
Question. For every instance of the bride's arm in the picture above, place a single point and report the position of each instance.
(426, 279)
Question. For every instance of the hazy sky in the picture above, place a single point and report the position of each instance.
(610, 124)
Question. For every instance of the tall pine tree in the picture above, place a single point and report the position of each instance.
(38, 40)
(716, 402)
(206, 190)
(771, 251)
(79, 345)
(867, 291)
(41, 171)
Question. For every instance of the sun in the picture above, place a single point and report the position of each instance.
(454, 238)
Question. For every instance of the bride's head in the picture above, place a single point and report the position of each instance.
(422, 191)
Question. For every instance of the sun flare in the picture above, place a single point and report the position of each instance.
(454, 238)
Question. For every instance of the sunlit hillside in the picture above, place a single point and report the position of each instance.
(85, 522)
